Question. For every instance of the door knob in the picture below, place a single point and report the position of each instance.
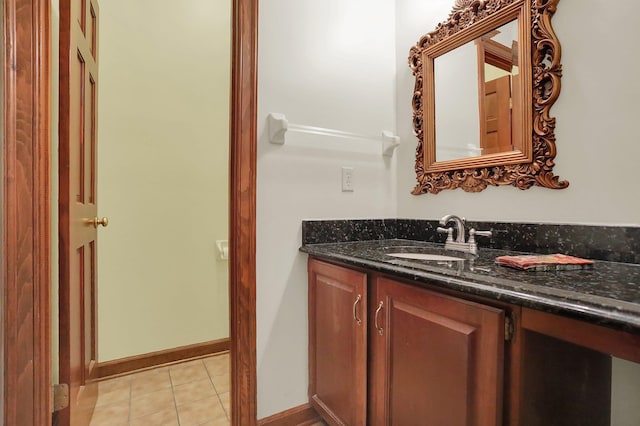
(97, 221)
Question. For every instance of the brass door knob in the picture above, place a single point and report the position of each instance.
(97, 221)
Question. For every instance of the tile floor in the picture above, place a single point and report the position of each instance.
(192, 393)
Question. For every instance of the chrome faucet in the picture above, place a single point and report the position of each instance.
(459, 226)
(459, 244)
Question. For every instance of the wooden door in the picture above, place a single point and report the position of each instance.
(26, 298)
(338, 343)
(435, 360)
(77, 208)
(496, 128)
(516, 113)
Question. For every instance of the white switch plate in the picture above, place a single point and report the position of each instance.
(347, 179)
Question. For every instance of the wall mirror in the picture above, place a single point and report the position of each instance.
(485, 81)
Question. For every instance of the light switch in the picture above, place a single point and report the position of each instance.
(347, 179)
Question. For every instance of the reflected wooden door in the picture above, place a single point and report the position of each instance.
(497, 116)
(78, 213)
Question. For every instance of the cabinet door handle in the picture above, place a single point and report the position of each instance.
(380, 329)
(355, 313)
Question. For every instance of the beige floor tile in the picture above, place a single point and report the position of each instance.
(181, 374)
(217, 365)
(86, 397)
(149, 383)
(161, 418)
(148, 398)
(224, 356)
(198, 412)
(116, 395)
(188, 363)
(149, 373)
(220, 422)
(152, 402)
(111, 415)
(221, 383)
(194, 391)
(225, 399)
(119, 383)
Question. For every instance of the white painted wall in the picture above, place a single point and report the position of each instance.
(328, 64)
(163, 174)
(596, 122)
(625, 393)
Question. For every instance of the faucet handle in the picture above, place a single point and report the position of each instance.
(481, 233)
(473, 233)
(448, 231)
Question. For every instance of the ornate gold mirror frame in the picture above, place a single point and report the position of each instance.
(540, 69)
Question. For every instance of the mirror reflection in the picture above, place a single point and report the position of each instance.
(485, 99)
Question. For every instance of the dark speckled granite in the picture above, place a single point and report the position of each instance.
(608, 294)
(336, 231)
(611, 243)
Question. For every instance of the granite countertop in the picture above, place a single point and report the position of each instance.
(607, 294)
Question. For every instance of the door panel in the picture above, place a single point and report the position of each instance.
(435, 359)
(416, 333)
(77, 205)
(338, 343)
(497, 116)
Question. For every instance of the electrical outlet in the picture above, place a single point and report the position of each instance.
(347, 179)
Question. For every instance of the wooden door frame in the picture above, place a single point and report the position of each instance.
(242, 226)
(25, 215)
(25, 279)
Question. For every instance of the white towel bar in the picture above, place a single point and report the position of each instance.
(279, 126)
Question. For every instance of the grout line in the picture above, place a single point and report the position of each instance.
(218, 393)
(173, 393)
(130, 398)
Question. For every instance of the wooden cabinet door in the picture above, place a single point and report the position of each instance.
(338, 343)
(436, 360)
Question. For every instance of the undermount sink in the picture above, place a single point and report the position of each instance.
(426, 256)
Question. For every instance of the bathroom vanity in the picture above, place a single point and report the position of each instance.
(443, 338)
(400, 341)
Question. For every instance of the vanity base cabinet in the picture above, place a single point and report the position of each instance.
(384, 352)
(402, 356)
(338, 343)
(434, 359)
